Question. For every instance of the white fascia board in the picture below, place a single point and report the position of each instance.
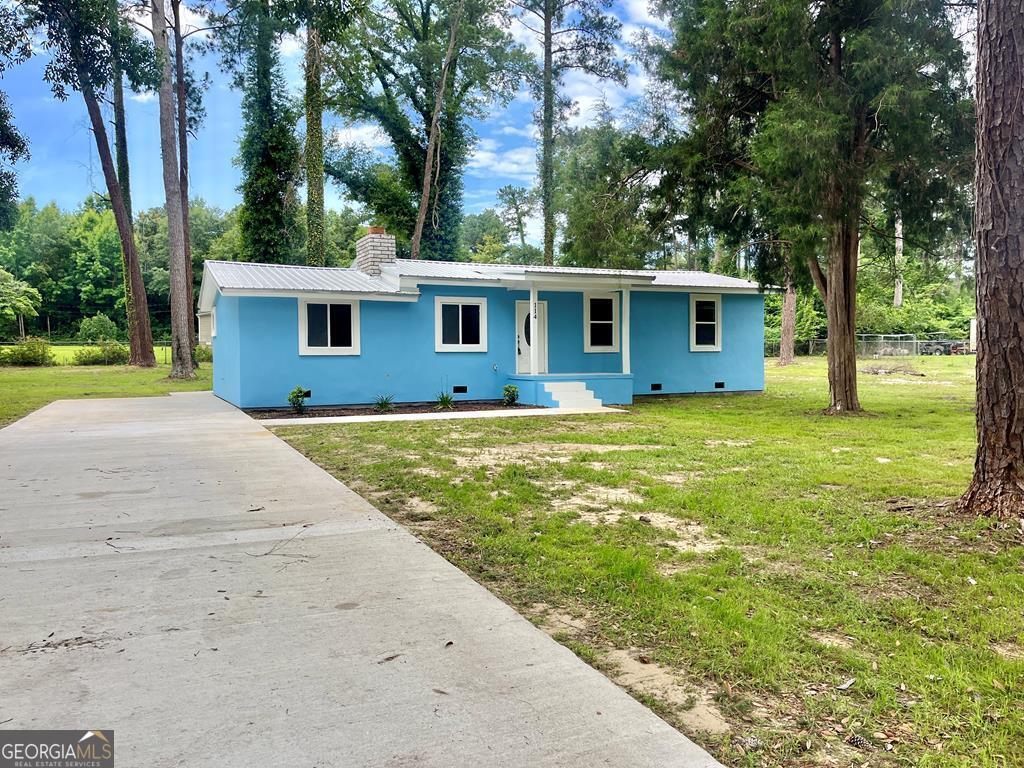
(207, 290)
(698, 289)
(322, 295)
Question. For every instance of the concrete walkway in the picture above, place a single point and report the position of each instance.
(171, 570)
(497, 413)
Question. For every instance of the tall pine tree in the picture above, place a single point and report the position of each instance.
(796, 109)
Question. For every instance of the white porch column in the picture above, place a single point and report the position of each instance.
(624, 346)
(534, 335)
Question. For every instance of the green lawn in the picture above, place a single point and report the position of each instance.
(64, 354)
(23, 390)
(796, 579)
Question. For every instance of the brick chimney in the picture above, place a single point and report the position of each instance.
(374, 248)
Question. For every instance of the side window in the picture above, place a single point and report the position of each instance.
(328, 328)
(460, 324)
(705, 322)
(601, 323)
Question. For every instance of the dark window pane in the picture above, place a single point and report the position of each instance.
(449, 323)
(705, 311)
(470, 323)
(316, 325)
(601, 335)
(341, 325)
(526, 328)
(705, 334)
(601, 309)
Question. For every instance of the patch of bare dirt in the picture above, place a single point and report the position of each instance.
(537, 453)
(1008, 651)
(833, 640)
(882, 370)
(692, 706)
(418, 509)
(688, 536)
(558, 621)
(427, 472)
(728, 443)
(679, 478)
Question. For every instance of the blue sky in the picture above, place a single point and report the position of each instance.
(64, 168)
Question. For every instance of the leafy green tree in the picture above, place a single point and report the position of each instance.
(574, 35)
(97, 261)
(386, 70)
(605, 186)
(99, 327)
(342, 229)
(12, 149)
(486, 225)
(17, 297)
(14, 48)
(82, 38)
(268, 153)
(323, 22)
(515, 206)
(38, 249)
(796, 109)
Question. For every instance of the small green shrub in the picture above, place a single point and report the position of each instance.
(445, 401)
(204, 353)
(99, 327)
(32, 351)
(510, 394)
(384, 403)
(297, 399)
(104, 353)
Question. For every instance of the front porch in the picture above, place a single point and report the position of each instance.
(574, 390)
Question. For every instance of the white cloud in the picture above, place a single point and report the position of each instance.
(144, 97)
(366, 134)
(639, 12)
(490, 159)
(528, 131)
(291, 46)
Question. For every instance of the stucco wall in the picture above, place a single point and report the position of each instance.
(398, 358)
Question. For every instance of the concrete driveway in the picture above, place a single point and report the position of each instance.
(171, 570)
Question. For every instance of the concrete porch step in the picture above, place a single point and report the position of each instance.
(571, 394)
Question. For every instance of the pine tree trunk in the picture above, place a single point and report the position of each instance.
(841, 311)
(140, 336)
(315, 246)
(897, 288)
(787, 338)
(547, 160)
(434, 133)
(182, 365)
(182, 106)
(997, 488)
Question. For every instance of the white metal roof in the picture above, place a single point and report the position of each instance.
(463, 270)
(238, 275)
(399, 279)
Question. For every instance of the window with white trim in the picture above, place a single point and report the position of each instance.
(601, 322)
(213, 323)
(460, 324)
(328, 327)
(705, 322)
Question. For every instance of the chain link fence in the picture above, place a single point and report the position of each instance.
(875, 345)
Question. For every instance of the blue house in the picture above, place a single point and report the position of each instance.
(412, 329)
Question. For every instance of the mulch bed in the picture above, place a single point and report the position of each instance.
(369, 410)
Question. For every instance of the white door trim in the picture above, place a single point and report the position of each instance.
(543, 310)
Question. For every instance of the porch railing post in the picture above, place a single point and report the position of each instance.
(625, 332)
(534, 332)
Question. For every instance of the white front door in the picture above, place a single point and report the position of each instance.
(525, 337)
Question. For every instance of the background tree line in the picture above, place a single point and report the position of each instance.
(825, 147)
